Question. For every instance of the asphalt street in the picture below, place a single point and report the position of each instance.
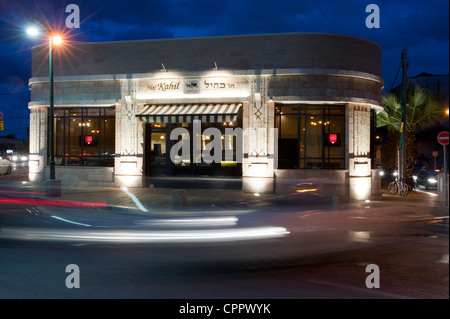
(254, 250)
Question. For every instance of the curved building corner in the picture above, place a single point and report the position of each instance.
(305, 104)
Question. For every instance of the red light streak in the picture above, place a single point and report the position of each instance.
(49, 202)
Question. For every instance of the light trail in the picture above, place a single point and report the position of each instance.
(126, 236)
(134, 198)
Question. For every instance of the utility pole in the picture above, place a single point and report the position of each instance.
(402, 149)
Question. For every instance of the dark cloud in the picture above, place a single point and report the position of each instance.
(421, 26)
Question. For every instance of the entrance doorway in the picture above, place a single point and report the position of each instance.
(158, 152)
(157, 161)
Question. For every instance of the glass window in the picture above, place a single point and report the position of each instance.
(287, 125)
(310, 136)
(85, 136)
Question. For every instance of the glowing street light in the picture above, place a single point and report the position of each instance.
(32, 31)
(57, 40)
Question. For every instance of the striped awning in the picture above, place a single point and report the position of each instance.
(187, 113)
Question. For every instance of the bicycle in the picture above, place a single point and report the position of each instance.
(398, 186)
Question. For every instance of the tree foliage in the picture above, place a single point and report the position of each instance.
(422, 111)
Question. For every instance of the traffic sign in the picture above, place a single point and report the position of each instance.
(443, 138)
(1, 126)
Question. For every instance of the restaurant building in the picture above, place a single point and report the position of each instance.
(305, 103)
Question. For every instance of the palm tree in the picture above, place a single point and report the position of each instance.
(422, 110)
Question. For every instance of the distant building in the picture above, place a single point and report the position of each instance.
(436, 84)
(9, 142)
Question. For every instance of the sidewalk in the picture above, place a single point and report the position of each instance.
(417, 205)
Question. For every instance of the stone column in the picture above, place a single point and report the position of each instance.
(359, 163)
(259, 146)
(128, 165)
(38, 144)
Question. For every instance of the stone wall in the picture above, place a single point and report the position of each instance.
(329, 87)
(83, 175)
(358, 151)
(76, 92)
(38, 143)
(249, 52)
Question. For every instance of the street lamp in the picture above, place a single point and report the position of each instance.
(54, 39)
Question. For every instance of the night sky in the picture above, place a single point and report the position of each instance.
(421, 26)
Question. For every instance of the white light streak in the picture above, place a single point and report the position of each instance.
(134, 198)
(126, 236)
(70, 221)
(191, 222)
(428, 193)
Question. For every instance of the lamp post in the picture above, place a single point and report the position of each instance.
(54, 189)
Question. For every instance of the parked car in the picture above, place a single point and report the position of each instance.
(18, 158)
(5, 166)
(426, 178)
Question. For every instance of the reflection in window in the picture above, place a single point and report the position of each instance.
(85, 136)
(311, 136)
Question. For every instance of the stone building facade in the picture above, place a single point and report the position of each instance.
(305, 103)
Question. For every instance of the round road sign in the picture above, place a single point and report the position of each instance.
(443, 138)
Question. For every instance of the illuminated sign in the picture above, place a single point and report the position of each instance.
(164, 86)
(193, 88)
(89, 140)
(333, 138)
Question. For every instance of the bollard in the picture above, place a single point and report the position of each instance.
(442, 190)
(178, 198)
(334, 202)
(53, 188)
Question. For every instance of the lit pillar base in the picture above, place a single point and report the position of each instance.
(53, 188)
(35, 168)
(36, 177)
(360, 187)
(128, 180)
(261, 185)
